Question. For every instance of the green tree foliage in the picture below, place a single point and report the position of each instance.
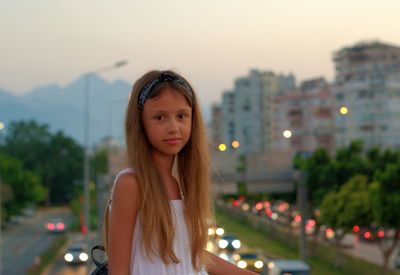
(349, 206)
(385, 197)
(20, 188)
(66, 162)
(345, 208)
(326, 174)
(385, 193)
(320, 179)
(349, 161)
(57, 159)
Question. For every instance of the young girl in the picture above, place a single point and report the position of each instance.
(156, 220)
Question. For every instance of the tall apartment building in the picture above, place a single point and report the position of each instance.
(368, 86)
(307, 112)
(215, 135)
(371, 61)
(228, 121)
(271, 85)
(247, 110)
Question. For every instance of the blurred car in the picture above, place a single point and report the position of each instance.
(16, 219)
(368, 234)
(29, 212)
(230, 257)
(293, 267)
(397, 259)
(55, 226)
(215, 231)
(250, 261)
(229, 242)
(76, 254)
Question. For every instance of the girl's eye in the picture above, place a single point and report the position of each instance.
(159, 117)
(183, 116)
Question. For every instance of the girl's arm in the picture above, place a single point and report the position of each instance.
(124, 209)
(218, 266)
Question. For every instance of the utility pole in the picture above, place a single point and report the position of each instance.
(299, 178)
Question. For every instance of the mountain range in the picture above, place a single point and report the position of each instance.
(62, 108)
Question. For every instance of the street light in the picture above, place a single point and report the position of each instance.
(301, 194)
(235, 144)
(287, 134)
(86, 168)
(344, 110)
(222, 147)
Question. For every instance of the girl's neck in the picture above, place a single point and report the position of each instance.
(164, 163)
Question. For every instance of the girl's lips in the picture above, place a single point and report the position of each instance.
(172, 141)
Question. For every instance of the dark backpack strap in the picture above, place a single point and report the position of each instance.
(97, 247)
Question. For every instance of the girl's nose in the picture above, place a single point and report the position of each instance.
(173, 126)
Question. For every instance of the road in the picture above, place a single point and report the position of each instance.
(59, 267)
(23, 242)
(366, 251)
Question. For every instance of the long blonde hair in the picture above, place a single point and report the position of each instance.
(192, 161)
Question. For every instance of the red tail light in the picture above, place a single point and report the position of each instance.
(60, 226)
(356, 228)
(367, 235)
(50, 226)
(381, 233)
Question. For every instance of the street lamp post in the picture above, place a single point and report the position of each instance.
(111, 107)
(86, 167)
(301, 194)
(2, 126)
(299, 178)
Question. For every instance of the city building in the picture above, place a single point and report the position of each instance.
(246, 111)
(367, 94)
(304, 118)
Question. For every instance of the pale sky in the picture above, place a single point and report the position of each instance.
(211, 42)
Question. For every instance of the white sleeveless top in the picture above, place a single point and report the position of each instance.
(142, 265)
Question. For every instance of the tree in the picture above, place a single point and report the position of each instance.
(20, 188)
(57, 159)
(349, 161)
(326, 174)
(65, 162)
(347, 207)
(385, 198)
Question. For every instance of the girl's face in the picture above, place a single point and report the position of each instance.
(167, 120)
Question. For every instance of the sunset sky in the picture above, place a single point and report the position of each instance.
(211, 41)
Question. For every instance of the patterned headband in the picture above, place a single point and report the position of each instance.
(164, 77)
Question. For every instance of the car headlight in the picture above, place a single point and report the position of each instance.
(236, 244)
(222, 244)
(224, 256)
(258, 264)
(210, 246)
(211, 232)
(68, 257)
(220, 231)
(83, 257)
(242, 264)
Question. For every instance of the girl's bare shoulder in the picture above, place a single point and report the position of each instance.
(125, 185)
(124, 179)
